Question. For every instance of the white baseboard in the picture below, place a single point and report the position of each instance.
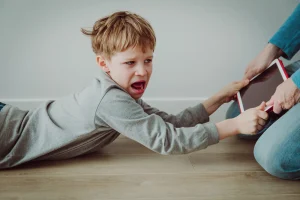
(169, 105)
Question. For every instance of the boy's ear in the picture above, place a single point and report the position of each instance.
(101, 61)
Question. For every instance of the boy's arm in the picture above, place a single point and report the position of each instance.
(213, 103)
(287, 38)
(187, 118)
(190, 116)
(120, 112)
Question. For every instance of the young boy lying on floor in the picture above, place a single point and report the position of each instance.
(111, 105)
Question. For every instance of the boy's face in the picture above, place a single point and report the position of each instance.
(131, 69)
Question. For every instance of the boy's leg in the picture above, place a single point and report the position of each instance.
(278, 149)
(234, 110)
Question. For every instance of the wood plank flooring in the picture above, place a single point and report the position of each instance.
(127, 170)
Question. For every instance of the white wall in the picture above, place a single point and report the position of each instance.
(202, 44)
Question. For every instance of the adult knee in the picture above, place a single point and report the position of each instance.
(276, 160)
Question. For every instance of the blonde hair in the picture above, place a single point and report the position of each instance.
(119, 31)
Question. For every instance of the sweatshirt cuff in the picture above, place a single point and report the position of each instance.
(289, 44)
(212, 133)
(296, 78)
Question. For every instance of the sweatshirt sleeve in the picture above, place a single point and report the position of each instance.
(287, 38)
(187, 118)
(119, 111)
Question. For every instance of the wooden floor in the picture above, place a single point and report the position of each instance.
(127, 170)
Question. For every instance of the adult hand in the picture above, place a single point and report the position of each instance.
(287, 94)
(262, 61)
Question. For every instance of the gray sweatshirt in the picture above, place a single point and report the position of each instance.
(94, 117)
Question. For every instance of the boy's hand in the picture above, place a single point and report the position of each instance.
(252, 120)
(224, 96)
(229, 92)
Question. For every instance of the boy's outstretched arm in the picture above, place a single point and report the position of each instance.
(120, 112)
(189, 117)
(200, 113)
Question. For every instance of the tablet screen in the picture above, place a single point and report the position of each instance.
(261, 88)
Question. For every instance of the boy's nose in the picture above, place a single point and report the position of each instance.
(141, 71)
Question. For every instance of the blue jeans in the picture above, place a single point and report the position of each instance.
(278, 147)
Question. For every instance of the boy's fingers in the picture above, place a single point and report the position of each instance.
(262, 114)
(242, 83)
(246, 82)
(259, 127)
(261, 106)
(248, 74)
(261, 122)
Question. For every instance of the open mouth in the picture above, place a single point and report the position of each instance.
(139, 86)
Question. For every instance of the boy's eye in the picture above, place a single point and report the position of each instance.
(148, 61)
(129, 63)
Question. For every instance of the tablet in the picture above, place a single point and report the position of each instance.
(262, 87)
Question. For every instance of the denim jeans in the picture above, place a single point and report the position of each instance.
(278, 147)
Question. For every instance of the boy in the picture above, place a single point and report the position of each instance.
(94, 117)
